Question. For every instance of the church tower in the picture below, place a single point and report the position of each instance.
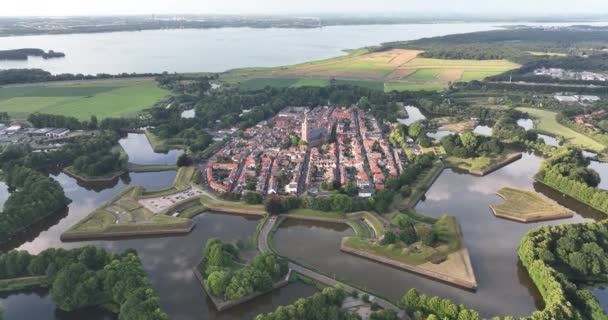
(305, 127)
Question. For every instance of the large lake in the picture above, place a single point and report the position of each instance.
(214, 50)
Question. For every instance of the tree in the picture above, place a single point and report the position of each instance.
(389, 238)
(273, 206)
(415, 130)
(253, 198)
(184, 160)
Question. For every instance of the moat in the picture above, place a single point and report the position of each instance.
(504, 286)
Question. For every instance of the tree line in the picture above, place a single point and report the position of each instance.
(90, 276)
(469, 145)
(14, 76)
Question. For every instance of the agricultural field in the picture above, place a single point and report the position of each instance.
(397, 69)
(117, 98)
(546, 122)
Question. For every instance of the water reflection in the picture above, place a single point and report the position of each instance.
(414, 114)
(483, 130)
(549, 140)
(602, 169)
(504, 285)
(139, 150)
(527, 124)
(601, 294)
(3, 194)
(188, 114)
(437, 135)
(167, 260)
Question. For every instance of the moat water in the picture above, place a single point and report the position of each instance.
(140, 152)
(504, 286)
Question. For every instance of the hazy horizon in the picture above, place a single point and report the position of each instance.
(514, 8)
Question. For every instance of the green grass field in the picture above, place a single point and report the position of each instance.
(470, 75)
(118, 98)
(310, 83)
(547, 123)
(425, 74)
(408, 86)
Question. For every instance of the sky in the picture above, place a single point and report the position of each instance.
(133, 7)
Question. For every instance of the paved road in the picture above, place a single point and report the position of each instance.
(263, 247)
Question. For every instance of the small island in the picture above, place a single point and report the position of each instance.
(477, 155)
(24, 54)
(527, 206)
(230, 278)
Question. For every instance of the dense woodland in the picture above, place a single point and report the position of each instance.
(512, 44)
(90, 276)
(24, 54)
(35, 196)
(228, 278)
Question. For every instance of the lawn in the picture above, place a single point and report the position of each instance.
(83, 99)
(527, 206)
(547, 123)
(261, 83)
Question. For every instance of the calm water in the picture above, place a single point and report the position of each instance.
(504, 286)
(527, 124)
(188, 114)
(602, 169)
(602, 296)
(414, 114)
(139, 150)
(438, 134)
(483, 130)
(216, 50)
(167, 260)
(549, 140)
(212, 50)
(3, 194)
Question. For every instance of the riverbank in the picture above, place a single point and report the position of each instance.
(526, 206)
(159, 145)
(133, 167)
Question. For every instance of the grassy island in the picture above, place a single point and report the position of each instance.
(231, 280)
(527, 206)
(433, 248)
